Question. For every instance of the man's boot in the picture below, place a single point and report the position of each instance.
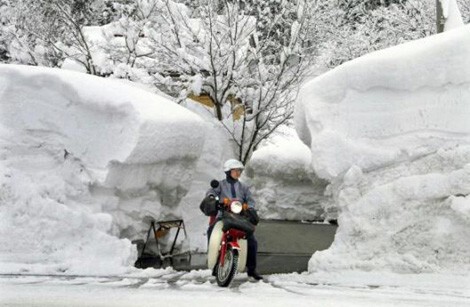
(255, 275)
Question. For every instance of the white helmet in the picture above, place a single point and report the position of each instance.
(231, 164)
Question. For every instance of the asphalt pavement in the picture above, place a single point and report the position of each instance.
(283, 247)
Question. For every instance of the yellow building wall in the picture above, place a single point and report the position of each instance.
(205, 99)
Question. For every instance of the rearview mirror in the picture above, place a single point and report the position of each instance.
(214, 184)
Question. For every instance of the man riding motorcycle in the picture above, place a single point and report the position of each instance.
(232, 188)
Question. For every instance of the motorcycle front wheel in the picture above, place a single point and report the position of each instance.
(226, 272)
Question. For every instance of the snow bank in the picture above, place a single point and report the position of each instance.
(85, 161)
(283, 184)
(390, 131)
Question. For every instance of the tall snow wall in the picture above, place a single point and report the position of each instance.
(390, 131)
(85, 164)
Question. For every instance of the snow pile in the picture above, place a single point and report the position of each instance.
(283, 184)
(390, 131)
(85, 161)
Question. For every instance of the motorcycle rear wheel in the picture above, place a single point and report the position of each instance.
(226, 272)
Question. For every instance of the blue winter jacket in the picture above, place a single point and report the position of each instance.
(233, 190)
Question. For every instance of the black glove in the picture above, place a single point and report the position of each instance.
(209, 205)
(252, 216)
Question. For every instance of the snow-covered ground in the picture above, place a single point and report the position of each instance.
(197, 288)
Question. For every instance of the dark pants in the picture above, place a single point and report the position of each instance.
(252, 250)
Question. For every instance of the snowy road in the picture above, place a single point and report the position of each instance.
(197, 288)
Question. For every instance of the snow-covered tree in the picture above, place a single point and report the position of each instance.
(356, 27)
(247, 57)
(48, 31)
(127, 44)
(352, 28)
(448, 15)
(465, 10)
(4, 25)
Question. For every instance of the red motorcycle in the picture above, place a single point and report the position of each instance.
(227, 250)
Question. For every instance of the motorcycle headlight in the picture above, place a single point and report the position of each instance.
(236, 207)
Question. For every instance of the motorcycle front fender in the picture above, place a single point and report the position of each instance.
(214, 245)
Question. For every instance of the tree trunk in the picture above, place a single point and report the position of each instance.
(440, 19)
(218, 110)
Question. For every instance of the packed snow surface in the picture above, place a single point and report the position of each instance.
(198, 288)
(84, 161)
(391, 132)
